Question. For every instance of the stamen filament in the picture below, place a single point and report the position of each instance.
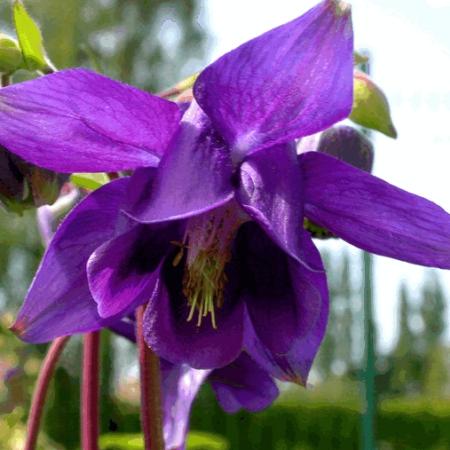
(208, 241)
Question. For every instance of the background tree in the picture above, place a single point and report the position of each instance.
(405, 360)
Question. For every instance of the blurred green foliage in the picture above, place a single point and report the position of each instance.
(322, 419)
(196, 441)
(149, 43)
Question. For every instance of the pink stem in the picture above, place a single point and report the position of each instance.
(151, 413)
(40, 391)
(90, 392)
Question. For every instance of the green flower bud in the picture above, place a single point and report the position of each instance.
(370, 106)
(10, 54)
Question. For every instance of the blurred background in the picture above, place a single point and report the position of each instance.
(154, 44)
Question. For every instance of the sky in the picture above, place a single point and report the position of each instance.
(409, 41)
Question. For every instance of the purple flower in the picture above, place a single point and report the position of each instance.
(213, 238)
(207, 246)
(242, 384)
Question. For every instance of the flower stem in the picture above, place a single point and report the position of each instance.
(151, 411)
(90, 392)
(40, 391)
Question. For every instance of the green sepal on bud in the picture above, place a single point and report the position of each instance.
(45, 185)
(24, 186)
(370, 106)
(30, 40)
(90, 181)
(10, 54)
(317, 231)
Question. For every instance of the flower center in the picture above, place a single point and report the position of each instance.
(208, 240)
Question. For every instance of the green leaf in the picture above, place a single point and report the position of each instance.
(199, 440)
(370, 106)
(89, 181)
(30, 39)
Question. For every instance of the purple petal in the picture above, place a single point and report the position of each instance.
(123, 272)
(172, 337)
(139, 187)
(124, 328)
(59, 302)
(46, 222)
(311, 311)
(292, 81)
(267, 287)
(270, 289)
(243, 384)
(78, 121)
(194, 175)
(270, 192)
(180, 385)
(374, 215)
(48, 216)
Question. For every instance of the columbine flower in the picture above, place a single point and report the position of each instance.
(213, 239)
(238, 257)
(241, 385)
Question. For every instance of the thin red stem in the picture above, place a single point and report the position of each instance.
(40, 391)
(90, 392)
(151, 411)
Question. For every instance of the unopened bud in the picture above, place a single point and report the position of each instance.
(13, 186)
(23, 185)
(349, 145)
(10, 54)
(370, 106)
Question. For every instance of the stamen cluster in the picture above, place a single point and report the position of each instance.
(208, 240)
